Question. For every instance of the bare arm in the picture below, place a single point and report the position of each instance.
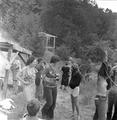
(70, 72)
(24, 82)
(49, 74)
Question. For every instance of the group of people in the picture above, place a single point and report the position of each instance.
(39, 78)
(106, 96)
(71, 79)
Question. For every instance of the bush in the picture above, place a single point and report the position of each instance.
(96, 54)
(63, 52)
(85, 68)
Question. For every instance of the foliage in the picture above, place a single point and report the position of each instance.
(21, 18)
(96, 54)
(63, 52)
(77, 24)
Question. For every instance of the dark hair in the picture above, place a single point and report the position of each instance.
(103, 71)
(74, 70)
(30, 60)
(54, 59)
(66, 63)
(33, 107)
(76, 78)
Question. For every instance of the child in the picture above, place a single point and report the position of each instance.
(33, 108)
(74, 84)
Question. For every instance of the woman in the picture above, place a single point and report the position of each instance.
(50, 89)
(74, 85)
(101, 97)
(27, 78)
(38, 79)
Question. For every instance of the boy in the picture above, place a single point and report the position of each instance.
(33, 108)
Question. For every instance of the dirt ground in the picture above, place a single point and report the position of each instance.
(63, 109)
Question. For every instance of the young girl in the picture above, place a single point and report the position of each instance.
(101, 97)
(74, 85)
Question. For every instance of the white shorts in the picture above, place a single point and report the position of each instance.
(75, 92)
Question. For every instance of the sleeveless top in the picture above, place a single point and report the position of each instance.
(101, 86)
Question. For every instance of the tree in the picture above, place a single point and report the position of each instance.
(21, 19)
(64, 52)
(77, 24)
(96, 54)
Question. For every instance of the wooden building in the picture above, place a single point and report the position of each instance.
(10, 48)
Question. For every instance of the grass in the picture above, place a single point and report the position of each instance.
(63, 109)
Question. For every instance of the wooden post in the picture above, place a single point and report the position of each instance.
(47, 39)
(54, 45)
(14, 57)
(7, 74)
(22, 58)
(106, 55)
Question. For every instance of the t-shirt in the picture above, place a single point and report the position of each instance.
(65, 70)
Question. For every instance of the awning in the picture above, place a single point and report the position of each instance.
(4, 46)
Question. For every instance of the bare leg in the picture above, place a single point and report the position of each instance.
(77, 106)
(73, 104)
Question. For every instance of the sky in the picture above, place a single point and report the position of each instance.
(111, 4)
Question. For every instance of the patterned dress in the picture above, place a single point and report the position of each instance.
(28, 74)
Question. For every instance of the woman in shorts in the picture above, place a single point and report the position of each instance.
(74, 83)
